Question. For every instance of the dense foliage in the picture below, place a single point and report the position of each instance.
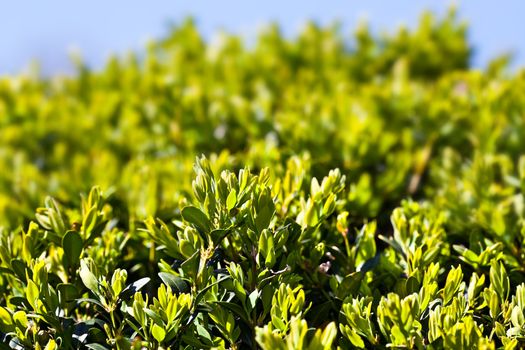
(315, 192)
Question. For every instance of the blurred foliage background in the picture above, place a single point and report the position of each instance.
(384, 109)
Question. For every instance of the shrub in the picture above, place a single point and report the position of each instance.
(362, 193)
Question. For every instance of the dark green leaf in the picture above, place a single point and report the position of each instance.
(72, 244)
(197, 218)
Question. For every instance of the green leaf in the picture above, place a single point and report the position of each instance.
(158, 333)
(350, 285)
(236, 309)
(328, 335)
(32, 293)
(264, 216)
(412, 285)
(20, 318)
(231, 201)
(88, 278)
(204, 334)
(134, 287)
(499, 279)
(354, 338)
(193, 341)
(329, 205)
(252, 298)
(310, 214)
(67, 292)
(153, 315)
(452, 284)
(204, 290)
(197, 218)
(176, 283)
(6, 322)
(72, 244)
(51, 345)
(20, 302)
(89, 221)
(19, 268)
(398, 338)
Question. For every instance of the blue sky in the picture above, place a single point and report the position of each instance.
(48, 30)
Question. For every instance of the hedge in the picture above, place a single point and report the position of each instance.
(317, 192)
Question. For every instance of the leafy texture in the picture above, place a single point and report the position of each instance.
(318, 192)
